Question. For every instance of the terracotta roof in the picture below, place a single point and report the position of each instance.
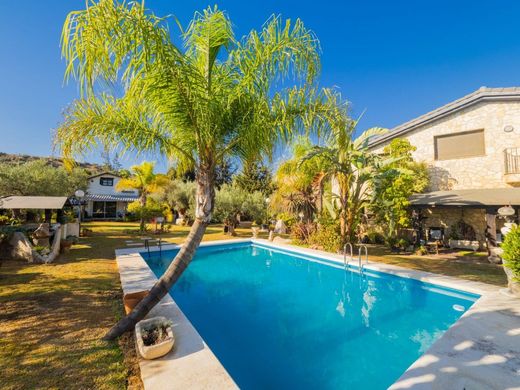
(480, 95)
(470, 198)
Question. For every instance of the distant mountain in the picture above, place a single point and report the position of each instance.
(15, 159)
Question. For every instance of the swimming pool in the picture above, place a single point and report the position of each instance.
(277, 319)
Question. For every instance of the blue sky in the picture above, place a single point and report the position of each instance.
(394, 59)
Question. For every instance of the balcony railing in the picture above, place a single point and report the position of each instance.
(512, 160)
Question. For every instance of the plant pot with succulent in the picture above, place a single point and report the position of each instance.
(154, 337)
(511, 258)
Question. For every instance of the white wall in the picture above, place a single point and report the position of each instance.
(95, 188)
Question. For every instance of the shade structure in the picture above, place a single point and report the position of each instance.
(33, 202)
(468, 198)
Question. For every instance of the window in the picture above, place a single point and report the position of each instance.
(106, 181)
(460, 145)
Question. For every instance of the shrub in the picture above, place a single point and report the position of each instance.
(287, 218)
(421, 251)
(511, 255)
(7, 220)
(149, 211)
(327, 237)
(375, 238)
(302, 231)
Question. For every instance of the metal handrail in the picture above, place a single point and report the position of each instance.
(359, 256)
(345, 262)
(511, 160)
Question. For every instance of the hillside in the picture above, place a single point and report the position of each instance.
(15, 159)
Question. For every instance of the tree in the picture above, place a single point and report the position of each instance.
(178, 196)
(146, 182)
(299, 184)
(224, 173)
(351, 166)
(232, 201)
(37, 177)
(198, 104)
(255, 177)
(392, 190)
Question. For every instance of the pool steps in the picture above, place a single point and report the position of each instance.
(360, 249)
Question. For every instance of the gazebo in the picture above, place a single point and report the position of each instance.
(478, 207)
(46, 203)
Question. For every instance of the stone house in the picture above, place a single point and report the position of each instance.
(472, 148)
(103, 200)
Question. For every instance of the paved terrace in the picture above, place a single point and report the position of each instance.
(480, 351)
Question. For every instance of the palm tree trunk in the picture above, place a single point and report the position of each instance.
(205, 201)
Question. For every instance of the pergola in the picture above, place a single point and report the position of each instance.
(489, 199)
(47, 203)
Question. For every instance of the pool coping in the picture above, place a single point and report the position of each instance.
(481, 349)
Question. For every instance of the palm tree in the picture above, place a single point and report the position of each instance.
(350, 165)
(299, 185)
(145, 181)
(212, 98)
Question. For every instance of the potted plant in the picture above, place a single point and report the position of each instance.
(154, 337)
(511, 257)
(131, 300)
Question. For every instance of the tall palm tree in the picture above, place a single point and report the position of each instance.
(210, 98)
(145, 181)
(350, 165)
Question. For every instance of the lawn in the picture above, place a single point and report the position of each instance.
(461, 264)
(53, 316)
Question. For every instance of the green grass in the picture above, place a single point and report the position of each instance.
(464, 264)
(52, 316)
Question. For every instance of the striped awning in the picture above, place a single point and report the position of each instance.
(111, 198)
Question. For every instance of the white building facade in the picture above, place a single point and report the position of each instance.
(104, 201)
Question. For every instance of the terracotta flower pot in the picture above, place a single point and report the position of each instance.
(156, 350)
(132, 299)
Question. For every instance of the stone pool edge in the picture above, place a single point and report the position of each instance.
(475, 350)
(191, 364)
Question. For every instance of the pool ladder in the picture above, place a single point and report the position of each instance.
(361, 248)
(147, 246)
(345, 262)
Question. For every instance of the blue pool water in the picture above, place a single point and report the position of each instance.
(276, 320)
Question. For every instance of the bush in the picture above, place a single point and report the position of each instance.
(375, 238)
(302, 231)
(149, 211)
(421, 251)
(326, 237)
(7, 220)
(288, 219)
(511, 255)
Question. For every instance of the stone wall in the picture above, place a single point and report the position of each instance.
(476, 218)
(475, 172)
(447, 217)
